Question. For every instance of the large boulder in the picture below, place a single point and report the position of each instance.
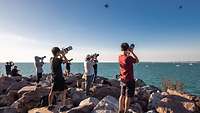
(44, 110)
(72, 80)
(26, 89)
(17, 78)
(114, 83)
(100, 79)
(81, 109)
(89, 101)
(77, 95)
(6, 100)
(108, 104)
(139, 83)
(135, 108)
(7, 110)
(12, 96)
(151, 111)
(181, 94)
(143, 93)
(154, 100)
(30, 99)
(5, 82)
(102, 91)
(18, 85)
(176, 104)
(3, 100)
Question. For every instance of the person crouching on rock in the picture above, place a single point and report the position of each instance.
(58, 82)
(88, 72)
(15, 72)
(126, 60)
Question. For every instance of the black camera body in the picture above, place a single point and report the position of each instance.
(95, 55)
(65, 50)
(132, 46)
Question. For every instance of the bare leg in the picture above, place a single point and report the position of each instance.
(64, 97)
(121, 103)
(127, 103)
(50, 98)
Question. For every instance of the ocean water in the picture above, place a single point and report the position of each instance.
(151, 73)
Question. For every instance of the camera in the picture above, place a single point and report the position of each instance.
(11, 63)
(95, 55)
(132, 46)
(65, 50)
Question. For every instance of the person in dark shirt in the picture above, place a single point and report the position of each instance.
(58, 78)
(126, 60)
(95, 68)
(15, 71)
(8, 67)
(68, 67)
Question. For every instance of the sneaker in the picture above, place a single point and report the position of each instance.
(64, 108)
(51, 107)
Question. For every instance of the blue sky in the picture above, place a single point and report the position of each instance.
(160, 30)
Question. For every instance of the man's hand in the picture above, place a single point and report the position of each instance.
(131, 51)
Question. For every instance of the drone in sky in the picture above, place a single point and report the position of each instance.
(106, 6)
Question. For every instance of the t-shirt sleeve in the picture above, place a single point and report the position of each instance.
(131, 59)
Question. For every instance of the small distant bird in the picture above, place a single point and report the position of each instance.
(180, 7)
(106, 5)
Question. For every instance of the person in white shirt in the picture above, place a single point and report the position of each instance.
(39, 64)
(89, 72)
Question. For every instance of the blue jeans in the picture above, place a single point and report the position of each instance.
(88, 82)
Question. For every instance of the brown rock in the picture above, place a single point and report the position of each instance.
(30, 99)
(81, 109)
(108, 104)
(12, 97)
(181, 94)
(77, 95)
(176, 104)
(102, 91)
(135, 108)
(26, 89)
(114, 83)
(3, 100)
(7, 110)
(5, 82)
(89, 101)
(18, 85)
(44, 110)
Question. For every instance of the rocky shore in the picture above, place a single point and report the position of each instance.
(20, 95)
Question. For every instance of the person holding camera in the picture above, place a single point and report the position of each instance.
(88, 72)
(127, 59)
(58, 79)
(68, 67)
(95, 67)
(39, 64)
(15, 72)
(8, 67)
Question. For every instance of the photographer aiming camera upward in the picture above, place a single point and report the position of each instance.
(8, 67)
(95, 66)
(88, 72)
(39, 64)
(58, 79)
(127, 59)
(68, 67)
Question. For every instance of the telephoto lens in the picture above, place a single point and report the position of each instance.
(65, 50)
(132, 46)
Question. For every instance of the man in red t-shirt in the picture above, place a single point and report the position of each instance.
(126, 60)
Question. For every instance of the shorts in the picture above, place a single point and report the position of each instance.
(128, 88)
(39, 76)
(59, 84)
